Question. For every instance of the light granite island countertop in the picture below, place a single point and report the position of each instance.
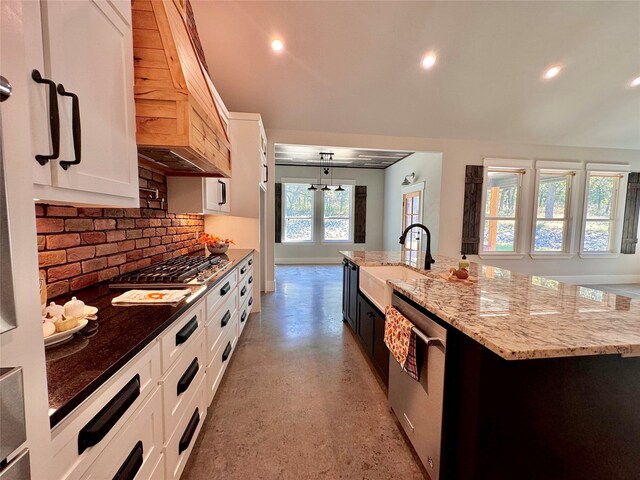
(518, 316)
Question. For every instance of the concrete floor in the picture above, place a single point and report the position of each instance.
(299, 400)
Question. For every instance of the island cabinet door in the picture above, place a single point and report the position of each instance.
(380, 350)
(365, 320)
(345, 289)
(353, 294)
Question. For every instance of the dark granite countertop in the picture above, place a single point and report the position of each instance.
(78, 367)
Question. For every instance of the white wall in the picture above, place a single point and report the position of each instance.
(428, 169)
(328, 252)
(457, 154)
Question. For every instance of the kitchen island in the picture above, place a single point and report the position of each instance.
(542, 379)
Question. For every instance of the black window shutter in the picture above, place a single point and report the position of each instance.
(631, 215)
(360, 215)
(278, 210)
(472, 209)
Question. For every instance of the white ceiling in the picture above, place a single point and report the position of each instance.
(353, 67)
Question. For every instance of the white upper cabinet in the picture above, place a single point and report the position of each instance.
(87, 51)
(198, 195)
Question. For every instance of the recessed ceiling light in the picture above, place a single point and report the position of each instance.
(428, 61)
(552, 72)
(277, 45)
(635, 82)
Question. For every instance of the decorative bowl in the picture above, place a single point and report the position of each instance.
(218, 248)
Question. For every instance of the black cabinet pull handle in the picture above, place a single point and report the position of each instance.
(225, 319)
(187, 377)
(223, 200)
(132, 464)
(105, 419)
(243, 291)
(75, 127)
(226, 353)
(186, 331)
(54, 118)
(224, 290)
(251, 261)
(243, 317)
(266, 180)
(242, 270)
(250, 281)
(250, 302)
(185, 439)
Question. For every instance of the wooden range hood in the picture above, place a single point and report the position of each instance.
(179, 127)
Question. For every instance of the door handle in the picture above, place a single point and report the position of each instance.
(5, 89)
(98, 427)
(132, 464)
(243, 317)
(223, 194)
(186, 331)
(250, 302)
(266, 180)
(227, 352)
(187, 377)
(225, 319)
(75, 127)
(185, 440)
(250, 281)
(251, 261)
(242, 270)
(224, 290)
(54, 118)
(243, 291)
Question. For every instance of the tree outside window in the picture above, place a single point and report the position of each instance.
(501, 210)
(600, 212)
(552, 212)
(297, 212)
(338, 207)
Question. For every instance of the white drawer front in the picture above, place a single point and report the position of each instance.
(135, 450)
(220, 324)
(219, 293)
(220, 360)
(80, 438)
(244, 267)
(179, 384)
(179, 447)
(159, 471)
(180, 335)
(245, 287)
(243, 315)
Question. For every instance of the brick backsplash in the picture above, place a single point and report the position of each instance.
(78, 247)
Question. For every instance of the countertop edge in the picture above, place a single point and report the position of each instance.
(92, 387)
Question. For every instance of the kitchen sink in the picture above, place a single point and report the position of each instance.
(373, 282)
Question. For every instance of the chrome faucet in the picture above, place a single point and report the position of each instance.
(428, 259)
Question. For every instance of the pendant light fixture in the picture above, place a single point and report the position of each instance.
(326, 169)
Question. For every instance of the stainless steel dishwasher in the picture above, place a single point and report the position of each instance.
(418, 405)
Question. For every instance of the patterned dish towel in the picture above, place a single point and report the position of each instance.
(401, 340)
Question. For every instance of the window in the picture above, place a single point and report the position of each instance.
(411, 213)
(337, 214)
(501, 210)
(297, 213)
(552, 211)
(600, 218)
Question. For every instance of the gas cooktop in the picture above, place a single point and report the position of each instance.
(185, 270)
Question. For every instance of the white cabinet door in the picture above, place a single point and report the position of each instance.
(217, 196)
(225, 195)
(211, 194)
(88, 49)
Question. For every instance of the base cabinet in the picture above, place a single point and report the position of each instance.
(168, 388)
(371, 335)
(350, 293)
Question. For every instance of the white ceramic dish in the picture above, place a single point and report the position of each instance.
(62, 336)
